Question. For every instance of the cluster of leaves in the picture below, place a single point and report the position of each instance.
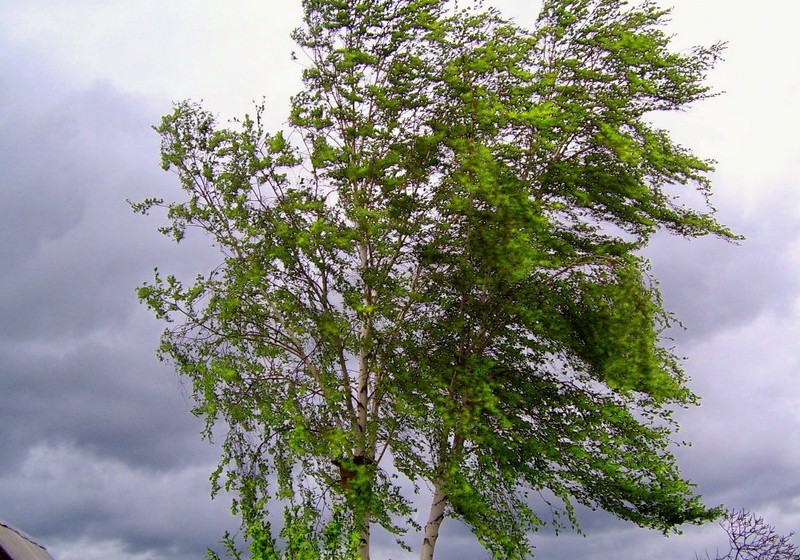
(434, 274)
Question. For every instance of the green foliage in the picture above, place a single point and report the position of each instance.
(434, 273)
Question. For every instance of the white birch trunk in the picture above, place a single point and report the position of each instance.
(363, 546)
(434, 522)
(363, 404)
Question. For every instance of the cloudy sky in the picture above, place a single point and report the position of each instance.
(99, 455)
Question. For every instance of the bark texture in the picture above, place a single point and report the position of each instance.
(434, 522)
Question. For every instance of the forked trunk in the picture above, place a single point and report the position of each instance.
(434, 522)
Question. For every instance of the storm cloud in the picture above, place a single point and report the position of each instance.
(97, 445)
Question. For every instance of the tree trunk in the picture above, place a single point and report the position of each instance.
(434, 522)
(363, 544)
(362, 419)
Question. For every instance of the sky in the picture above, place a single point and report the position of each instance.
(99, 455)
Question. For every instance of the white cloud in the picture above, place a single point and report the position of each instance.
(226, 53)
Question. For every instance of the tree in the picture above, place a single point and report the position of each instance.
(433, 277)
(751, 538)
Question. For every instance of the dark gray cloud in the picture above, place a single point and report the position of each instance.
(72, 246)
(97, 441)
(101, 396)
(34, 156)
(746, 433)
(712, 284)
(72, 330)
(64, 494)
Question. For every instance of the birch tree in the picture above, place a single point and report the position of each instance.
(431, 278)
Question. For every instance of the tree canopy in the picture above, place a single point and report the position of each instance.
(432, 278)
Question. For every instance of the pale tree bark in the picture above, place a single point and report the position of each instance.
(434, 522)
(363, 545)
(450, 451)
(361, 450)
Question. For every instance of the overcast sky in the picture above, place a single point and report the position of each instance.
(99, 455)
